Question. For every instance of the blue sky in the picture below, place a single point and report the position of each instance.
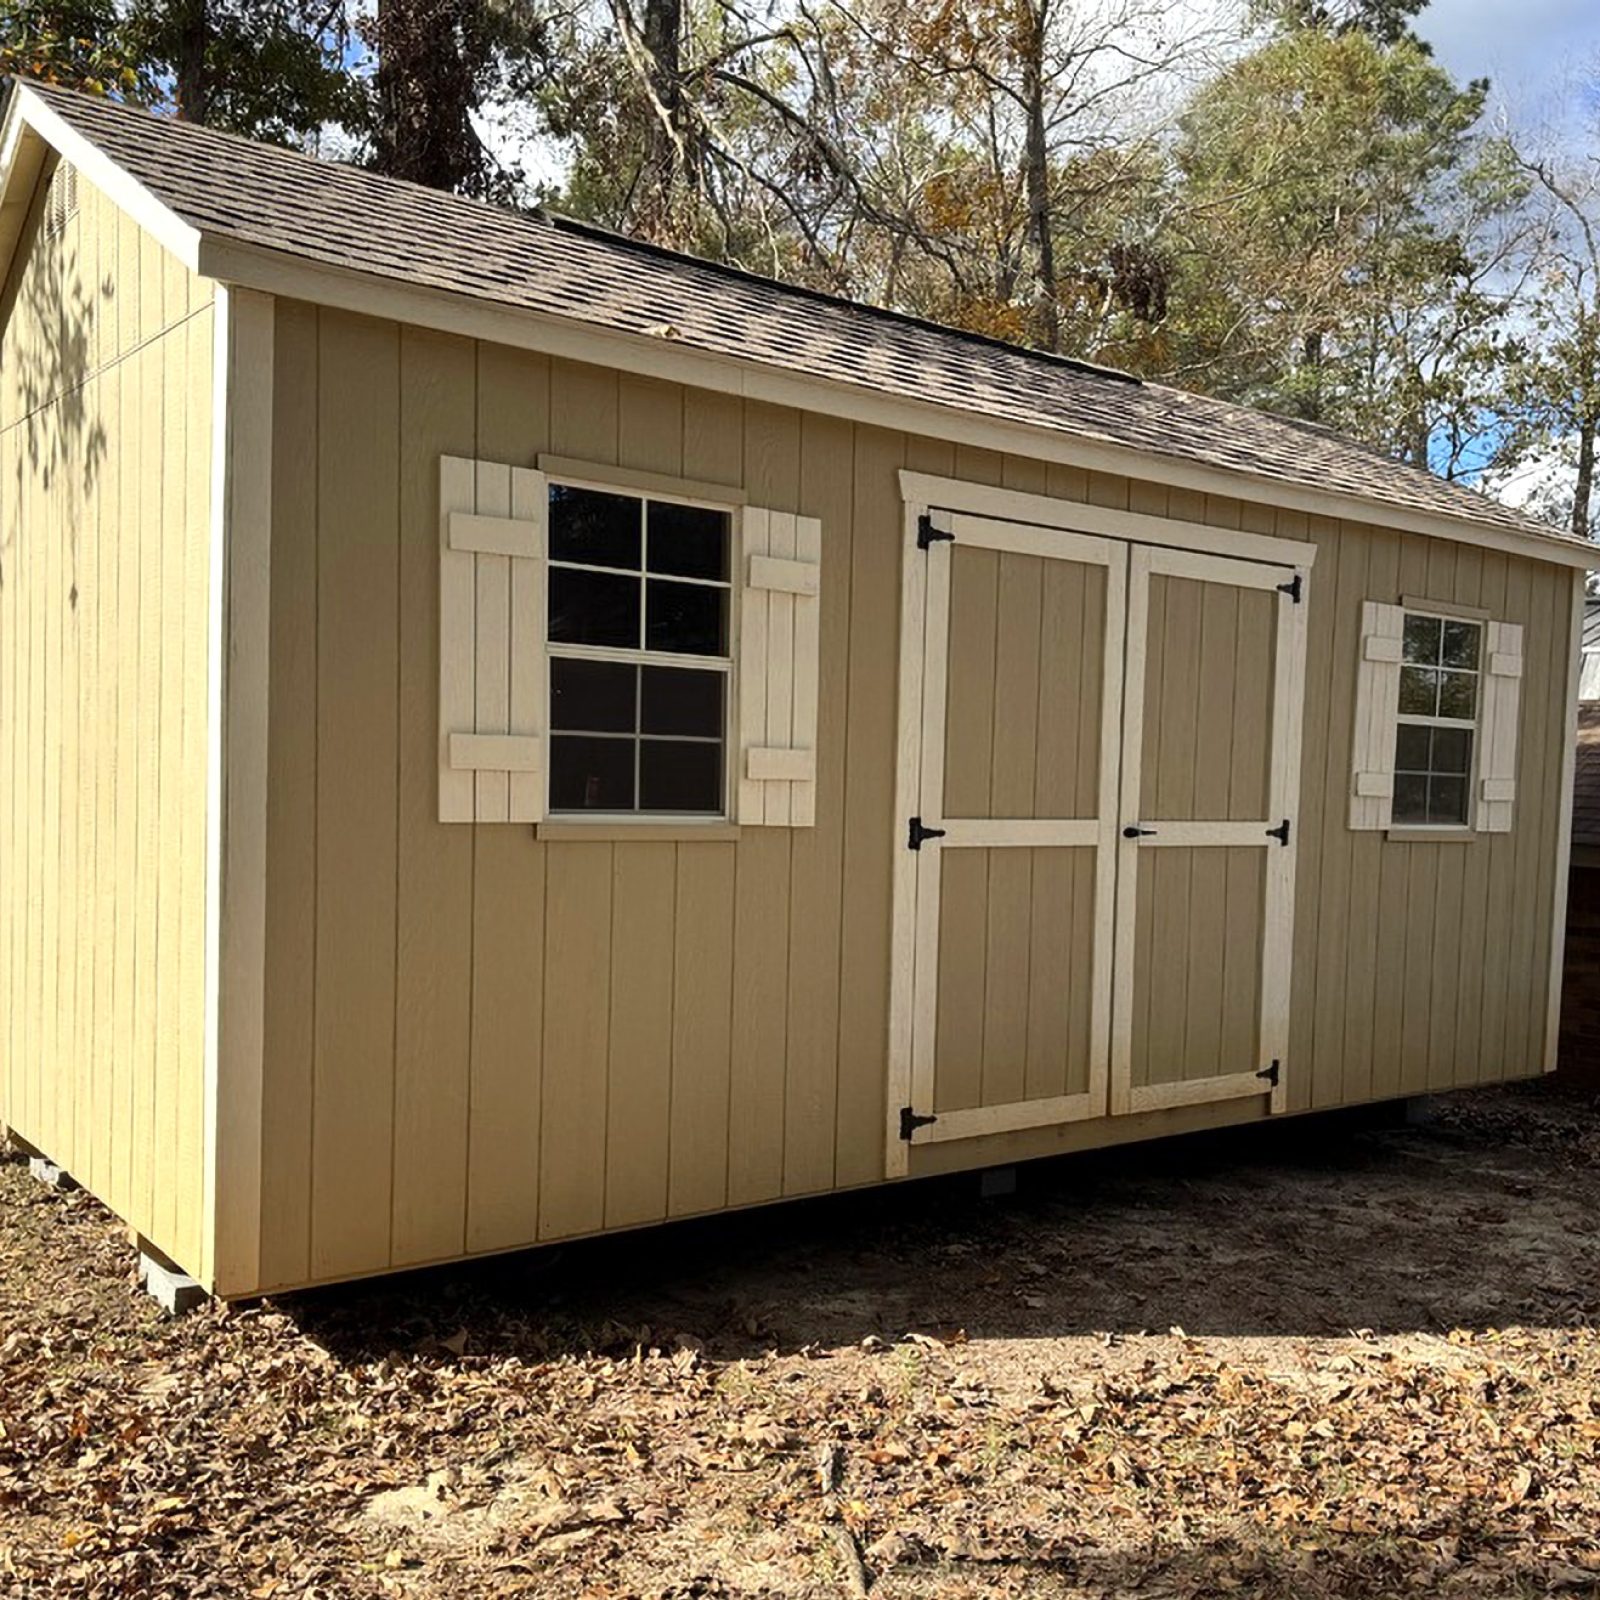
(1534, 50)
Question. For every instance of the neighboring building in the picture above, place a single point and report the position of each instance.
(1580, 1006)
(508, 734)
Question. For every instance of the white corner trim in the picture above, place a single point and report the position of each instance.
(105, 174)
(1074, 516)
(236, 782)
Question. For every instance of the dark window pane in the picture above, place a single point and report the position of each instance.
(1410, 798)
(1458, 695)
(600, 530)
(677, 776)
(687, 618)
(1411, 748)
(681, 700)
(1461, 644)
(1447, 800)
(592, 696)
(1419, 692)
(688, 541)
(593, 608)
(1452, 750)
(591, 774)
(1422, 636)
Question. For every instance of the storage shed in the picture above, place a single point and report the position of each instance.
(508, 734)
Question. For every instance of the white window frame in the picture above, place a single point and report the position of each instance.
(1475, 726)
(727, 665)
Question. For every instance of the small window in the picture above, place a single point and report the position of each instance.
(1441, 658)
(639, 595)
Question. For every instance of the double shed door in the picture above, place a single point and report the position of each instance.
(1106, 745)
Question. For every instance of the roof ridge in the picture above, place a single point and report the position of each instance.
(595, 230)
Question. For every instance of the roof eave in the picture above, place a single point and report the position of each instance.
(279, 272)
(27, 115)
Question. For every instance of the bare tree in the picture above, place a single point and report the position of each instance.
(1557, 383)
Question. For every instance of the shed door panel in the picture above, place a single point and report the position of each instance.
(1196, 990)
(1015, 894)
(1206, 751)
(1016, 979)
(1205, 872)
(1026, 685)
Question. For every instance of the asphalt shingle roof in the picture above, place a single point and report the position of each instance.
(346, 217)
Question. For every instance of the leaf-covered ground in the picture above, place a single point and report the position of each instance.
(1328, 1358)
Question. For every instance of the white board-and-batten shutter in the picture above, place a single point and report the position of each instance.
(1501, 689)
(493, 522)
(779, 639)
(1377, 708)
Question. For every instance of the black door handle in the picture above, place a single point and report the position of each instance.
(1134, 831)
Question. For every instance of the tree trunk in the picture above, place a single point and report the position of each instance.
(427, 92)
(1036, 176)
(191, 70)
(1311, 357)
(1583, 489)
(662, 158)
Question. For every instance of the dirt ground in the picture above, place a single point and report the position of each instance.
(1326, 1358)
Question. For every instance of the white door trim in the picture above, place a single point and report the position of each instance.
(1282, 807)
(925, 597)
(1042, 511)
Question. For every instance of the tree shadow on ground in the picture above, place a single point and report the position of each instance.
(1312, 1228)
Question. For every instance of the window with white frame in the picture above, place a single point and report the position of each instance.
(640, 656)
(588, 628)
(1441, 660)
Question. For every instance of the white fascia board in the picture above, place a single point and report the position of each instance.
(297, 277)
(126, 193)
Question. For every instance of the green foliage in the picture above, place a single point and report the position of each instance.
(1331, 203)
(1387, 21)
(78, 44)
(273, 69)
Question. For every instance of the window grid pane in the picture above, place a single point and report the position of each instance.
(1431, 779)
(1438, 709)
(628, 735)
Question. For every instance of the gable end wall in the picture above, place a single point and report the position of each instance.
(105, 429)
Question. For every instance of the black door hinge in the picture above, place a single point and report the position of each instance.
(919, 833)
(927, 534)
(1280, 833)
(910, 1122)
(1291, 588)
(1270, 1074)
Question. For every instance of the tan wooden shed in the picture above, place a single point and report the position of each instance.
(508, 734)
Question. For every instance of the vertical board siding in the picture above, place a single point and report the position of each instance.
(762, 878)
(105, 434)
(434, 868)
(491, 944)
(352, 1170)
(479, 1039)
